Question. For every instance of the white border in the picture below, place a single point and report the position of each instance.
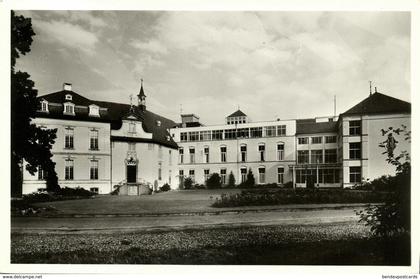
(204, 271)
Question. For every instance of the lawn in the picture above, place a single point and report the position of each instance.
(164, 202)
(327, 244)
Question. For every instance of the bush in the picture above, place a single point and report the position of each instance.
(188, 183)
(279, 196)
(214, 181)
(165, 187)
(78, 192)
(199, 186)
(288, 185)
(231, 180)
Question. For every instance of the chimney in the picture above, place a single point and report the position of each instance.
(376, 91)
(67, 86)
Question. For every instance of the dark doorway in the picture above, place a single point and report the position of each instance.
(131, 174)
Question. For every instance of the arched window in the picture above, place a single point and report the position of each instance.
(261, 151)
(243, 152)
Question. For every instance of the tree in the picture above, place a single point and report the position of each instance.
(188, 183)
(231, 180)
(250, 179)
(393, 217)
(214, 181)
(29, 143)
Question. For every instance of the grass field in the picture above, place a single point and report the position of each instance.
(338, 243)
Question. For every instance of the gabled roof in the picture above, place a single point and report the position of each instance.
(379, 103)
(237, 113)
(310, 126)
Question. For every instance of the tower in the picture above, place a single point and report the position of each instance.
(142, 98)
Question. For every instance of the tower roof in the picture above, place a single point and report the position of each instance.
(237, 113)
(379, 103)
(141, 93)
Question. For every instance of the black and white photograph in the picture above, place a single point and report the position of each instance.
(210, 137)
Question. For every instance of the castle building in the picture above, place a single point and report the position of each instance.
(102, 146)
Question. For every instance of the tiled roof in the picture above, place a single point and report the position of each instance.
(237, 113)
(113, 114)
(379, 103)
(310, 126)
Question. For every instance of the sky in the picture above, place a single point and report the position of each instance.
(271, 65)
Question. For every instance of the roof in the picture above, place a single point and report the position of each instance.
(379, 103)
(310, 126)
(112, 113)
(237, 113)
(141, 93)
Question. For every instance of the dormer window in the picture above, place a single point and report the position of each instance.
(69, 97)
(44, 106)
(69, 108)
(93, 110)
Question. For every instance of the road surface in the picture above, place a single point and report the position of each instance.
(178, 222)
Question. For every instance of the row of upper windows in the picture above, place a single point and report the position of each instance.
(254, 132)
(223, 154)
(236, 120)
(317, 156)
(317, 139)
(69, 139)
(69, 108)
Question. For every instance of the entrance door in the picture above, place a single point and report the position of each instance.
(131, 174)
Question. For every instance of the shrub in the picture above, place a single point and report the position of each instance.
(165, 187)
(231, 180)
(199, 186)
(188, 183)
(78, 191)
(214, 181)
(250, 180)
(288, 185)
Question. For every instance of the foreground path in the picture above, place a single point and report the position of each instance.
(178, 222)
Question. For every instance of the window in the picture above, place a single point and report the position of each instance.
(303, 157)
(316, 156)
(44, 106)
(223, 176)
(181, 173)
(192, 175)
(354, 150)
(170, 157)
(93, 110)
(243, 133)
(69, 138)
(281, 130)
(243, 175)
(131, 146)
(69, 169)
(206, 175)
(230, 134)
(206, 154)
(280, 151)
(217, 134)
(303, 175)
(94, 169)
(261, 150)
(303, 140)
(69, 108)
(69, 97)
(316, 140)
(330, 155)
(330, 139)
(280, 175)
(94, 139)
(192, 155)
(205, 135)
(223, 152)
(261, 175)
(329, 176)
(160, 171)
(193, 136)
(270, 131)
(184, 137)
(132, 127)
(355, 174)
(41, 173)
(181, 155)
(160, 152)
(354, 127)
(243, 153)
(256, 132)
(94, 190)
